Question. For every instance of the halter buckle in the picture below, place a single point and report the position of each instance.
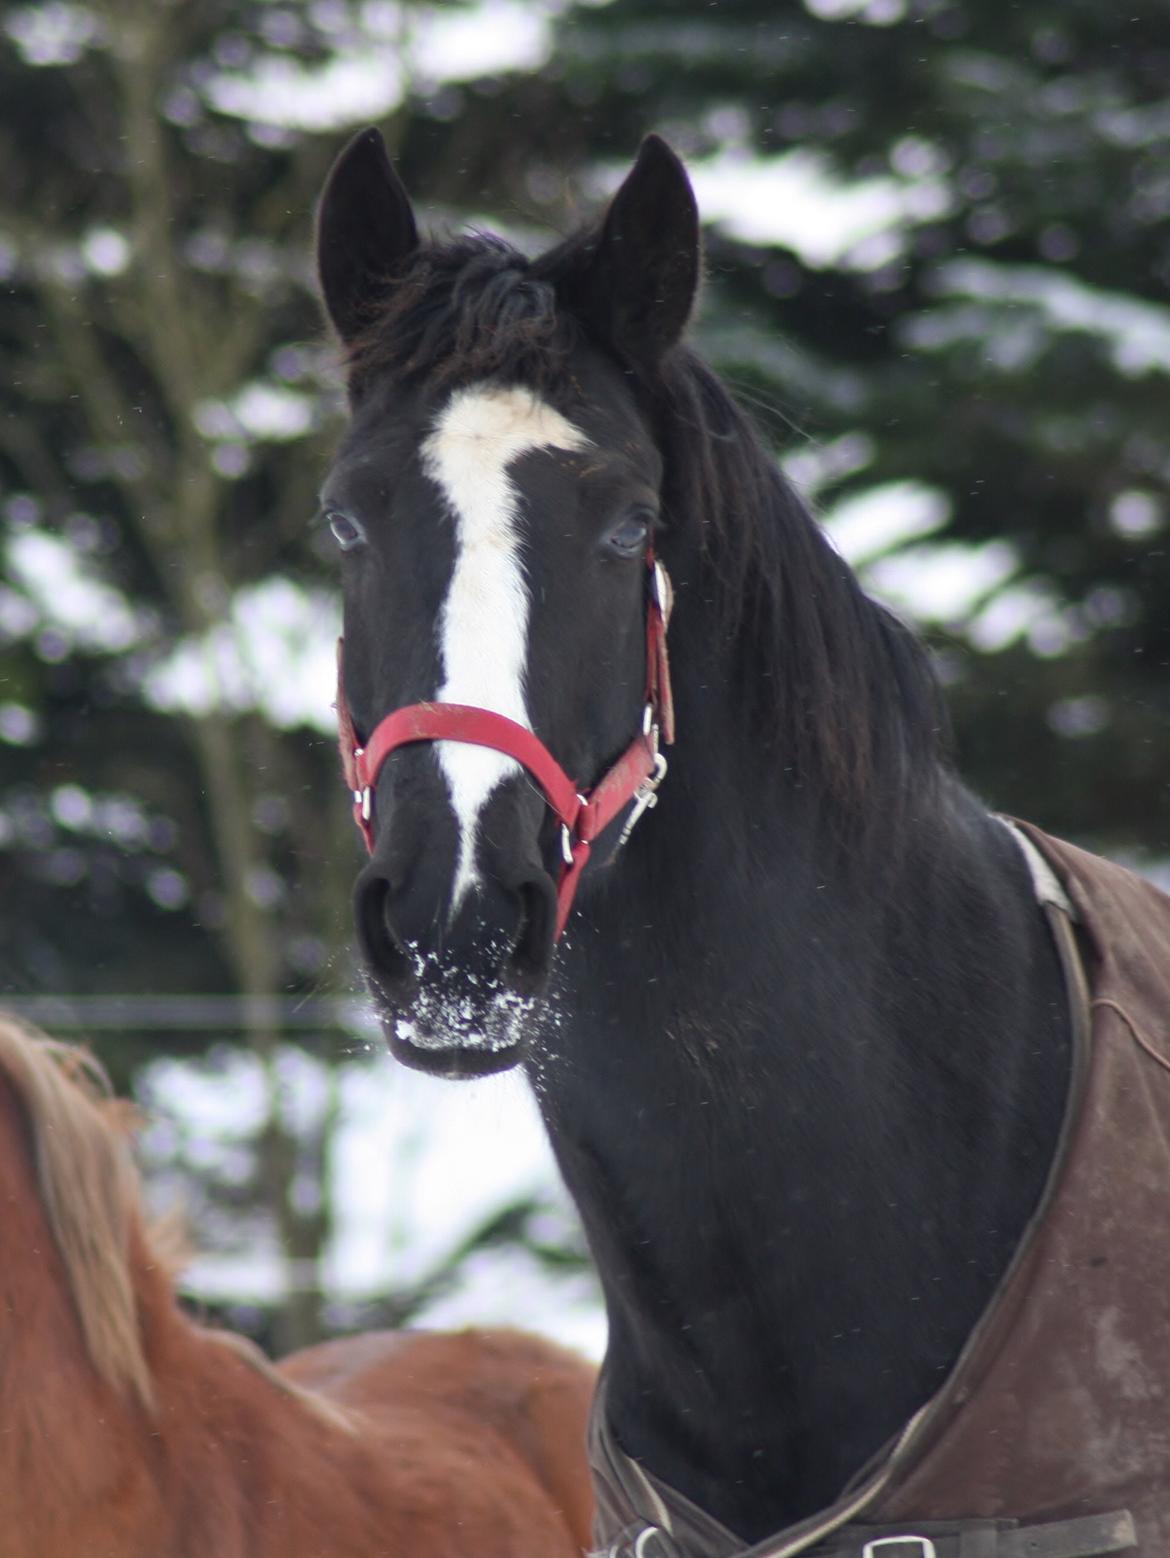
(663, 591)
(925, 1547)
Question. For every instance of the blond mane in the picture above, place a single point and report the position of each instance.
(90, 1191)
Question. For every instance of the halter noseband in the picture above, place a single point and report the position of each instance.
(635, 776)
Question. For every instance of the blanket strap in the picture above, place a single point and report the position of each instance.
(1090, 1536)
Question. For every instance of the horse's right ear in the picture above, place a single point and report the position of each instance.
(365, 231)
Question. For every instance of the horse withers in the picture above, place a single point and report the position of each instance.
(810, 1041)
(129, 1431)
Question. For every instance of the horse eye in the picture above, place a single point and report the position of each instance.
(346, 531)
(629, 537)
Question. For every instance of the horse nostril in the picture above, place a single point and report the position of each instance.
(502, 935)
(532, 951)
(384, 953)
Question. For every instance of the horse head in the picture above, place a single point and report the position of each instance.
(496, 502)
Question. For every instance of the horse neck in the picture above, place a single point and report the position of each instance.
(212, 1450)
(74, 1442)
(802, 1124)
(140, 1459)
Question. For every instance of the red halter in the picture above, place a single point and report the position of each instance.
(634, 777)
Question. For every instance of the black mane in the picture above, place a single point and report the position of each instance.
(838, 689)
(839, 692)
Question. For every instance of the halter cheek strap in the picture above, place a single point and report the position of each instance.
(635, 776)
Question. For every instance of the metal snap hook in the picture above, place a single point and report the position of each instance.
(645, 798)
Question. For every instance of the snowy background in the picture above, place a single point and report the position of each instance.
(414, 1166)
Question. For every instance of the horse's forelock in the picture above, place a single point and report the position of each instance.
(90, 1192)
(468, 310)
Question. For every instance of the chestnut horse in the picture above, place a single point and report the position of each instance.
(130, 1431)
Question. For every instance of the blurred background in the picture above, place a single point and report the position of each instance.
(938, 246)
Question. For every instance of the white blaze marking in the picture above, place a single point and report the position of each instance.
(483, 626)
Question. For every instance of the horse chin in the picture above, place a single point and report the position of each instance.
(453, 1062)
(456, 1037)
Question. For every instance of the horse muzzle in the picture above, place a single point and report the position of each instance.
(457, 972)
(455, 993)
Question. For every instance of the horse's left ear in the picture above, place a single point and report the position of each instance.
(365, 231)
(635, 285)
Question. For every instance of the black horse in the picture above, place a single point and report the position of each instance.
(804, 1049)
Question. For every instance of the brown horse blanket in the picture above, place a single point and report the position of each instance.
(1052, 1433)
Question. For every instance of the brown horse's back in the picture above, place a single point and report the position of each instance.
(133, 1432)
(522, 1402)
